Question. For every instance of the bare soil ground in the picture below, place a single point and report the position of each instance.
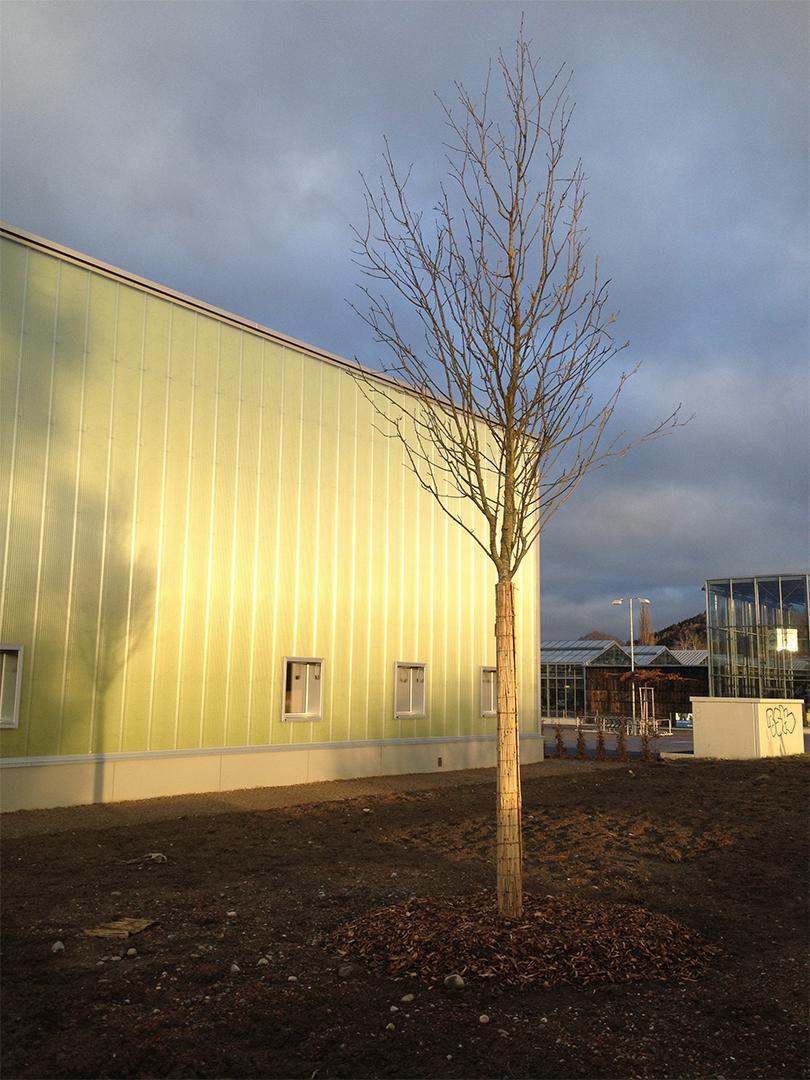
(268, 876)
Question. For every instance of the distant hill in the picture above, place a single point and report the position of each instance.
(686, 634)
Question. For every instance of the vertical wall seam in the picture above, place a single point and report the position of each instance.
(256, 548)
(276, 665)
(14, 435)
(459, 618)
(445, 728)
(94, 747)
(42, 515)
(388, 699)
(538, 639)
(403, 584)
(211, 519)
(370, 578)
(75, 522)
(181, 646)
(335, 565)
(472, 649)
(234, 537)
(416, 582)
(161, 529)
(134, 529)
(352, 608)
(316, 650)
(297, 577)
(431, 694)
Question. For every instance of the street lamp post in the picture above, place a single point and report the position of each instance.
(641, 600)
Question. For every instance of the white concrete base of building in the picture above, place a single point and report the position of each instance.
(45, 783)
(744, 728)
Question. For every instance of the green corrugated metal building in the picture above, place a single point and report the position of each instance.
(216, 573)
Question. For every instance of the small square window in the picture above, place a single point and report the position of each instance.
(489, 691)
(302, 688)
(409, 690)
(10, 684)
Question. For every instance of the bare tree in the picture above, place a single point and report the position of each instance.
(510, 339)
(646, 634)
(691, 638)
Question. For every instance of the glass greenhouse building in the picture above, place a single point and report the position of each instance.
(757, 630)
(589, 677)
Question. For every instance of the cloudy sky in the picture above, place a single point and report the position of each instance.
(216, 148)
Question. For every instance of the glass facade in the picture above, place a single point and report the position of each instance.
(757, 632)
(562, 690)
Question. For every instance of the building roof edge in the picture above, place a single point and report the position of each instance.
(20, 236)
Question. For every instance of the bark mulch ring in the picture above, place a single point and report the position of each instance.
(558, 940)
(275, 934)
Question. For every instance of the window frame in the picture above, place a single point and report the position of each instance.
(306, 717)
(494, 710)
(12, 722)
(411, 665)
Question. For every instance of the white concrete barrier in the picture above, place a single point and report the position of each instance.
(743, 728)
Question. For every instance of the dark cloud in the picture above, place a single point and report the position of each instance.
(216, 148)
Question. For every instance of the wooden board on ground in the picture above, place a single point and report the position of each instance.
(120, 928)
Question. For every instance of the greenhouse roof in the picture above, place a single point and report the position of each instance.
(692, 657)
(601, 653)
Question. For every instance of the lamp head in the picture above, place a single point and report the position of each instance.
(615, 602)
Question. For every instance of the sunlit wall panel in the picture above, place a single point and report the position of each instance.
(187, 500)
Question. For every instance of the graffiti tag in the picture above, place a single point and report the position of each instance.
(780, 721)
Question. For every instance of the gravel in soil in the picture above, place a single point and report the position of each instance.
(240, 974)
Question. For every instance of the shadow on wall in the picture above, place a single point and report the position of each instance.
(110, 629)
(79, 589)
(92, 615)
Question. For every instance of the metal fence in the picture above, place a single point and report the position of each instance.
(612, 723)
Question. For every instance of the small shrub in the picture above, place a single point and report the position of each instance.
(559, 742)
(621, 746)
(647, 744)
(580, 742)
(600, 743)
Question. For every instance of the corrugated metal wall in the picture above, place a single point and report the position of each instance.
(187, 503)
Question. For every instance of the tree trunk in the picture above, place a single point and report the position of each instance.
(646, 635)
(509, 838)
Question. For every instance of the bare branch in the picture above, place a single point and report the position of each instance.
(502, 408)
